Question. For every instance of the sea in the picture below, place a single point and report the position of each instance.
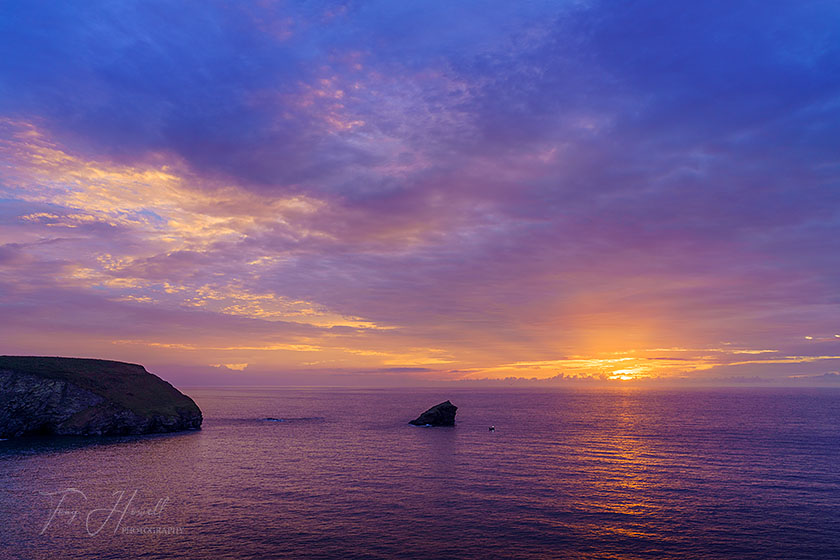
(616, 473)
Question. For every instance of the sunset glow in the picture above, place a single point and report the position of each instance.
(373, 194)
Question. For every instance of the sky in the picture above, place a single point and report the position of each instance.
(387, 193)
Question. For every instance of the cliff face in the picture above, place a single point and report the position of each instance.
(71, 396)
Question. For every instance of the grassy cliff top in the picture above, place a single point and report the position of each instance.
(128, 385)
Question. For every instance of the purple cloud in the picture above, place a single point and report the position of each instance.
(470, 189)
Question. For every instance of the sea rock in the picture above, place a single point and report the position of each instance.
(442, 414)
(73, 396)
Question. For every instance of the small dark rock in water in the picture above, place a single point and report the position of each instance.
(442, 414)
(273, 419)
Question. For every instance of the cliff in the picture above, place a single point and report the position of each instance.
(73, 396)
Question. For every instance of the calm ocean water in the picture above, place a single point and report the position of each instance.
(728, 473)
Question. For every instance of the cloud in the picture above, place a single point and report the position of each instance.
(472, 189)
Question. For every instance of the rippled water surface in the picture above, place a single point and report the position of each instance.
(730, 473)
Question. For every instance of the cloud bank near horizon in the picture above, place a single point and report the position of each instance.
(430, 191)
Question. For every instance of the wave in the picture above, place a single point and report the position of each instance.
(292, 420)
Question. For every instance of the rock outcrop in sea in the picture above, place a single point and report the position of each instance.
(442, 414)
(74, 396)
